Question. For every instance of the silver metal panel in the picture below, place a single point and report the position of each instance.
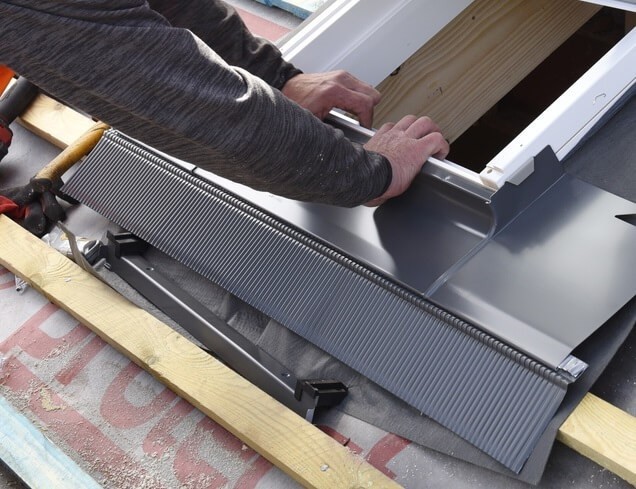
(550, 277)
(495, 397)
(541, 284)
(415, 240)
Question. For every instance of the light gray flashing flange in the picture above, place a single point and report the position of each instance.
(493, 396)
(573, 366)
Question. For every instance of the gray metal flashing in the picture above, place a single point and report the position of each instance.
(482, 389)
(559, 263)
(515, 263)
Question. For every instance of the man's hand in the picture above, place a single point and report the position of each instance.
(407, 145)
(321, 92)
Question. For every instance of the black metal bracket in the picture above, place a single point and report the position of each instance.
(325, 393)
(123, 251)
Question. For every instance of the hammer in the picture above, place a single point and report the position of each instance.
(34, 205)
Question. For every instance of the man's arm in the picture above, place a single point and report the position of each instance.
(125, 64)
(219, 26)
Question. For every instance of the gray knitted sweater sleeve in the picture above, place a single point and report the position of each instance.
(188, 79)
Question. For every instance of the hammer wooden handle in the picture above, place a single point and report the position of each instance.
(73, 153)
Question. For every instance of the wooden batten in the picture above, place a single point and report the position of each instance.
(290, 442)
(603, 433)
(54, 122)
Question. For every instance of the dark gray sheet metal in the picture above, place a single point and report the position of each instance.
(559, 264)
(540, 266)
(482, 389)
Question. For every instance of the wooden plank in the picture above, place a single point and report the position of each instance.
(477, 58)
(603, 433)
(55, 122)
(630, 21)
(297, 447)
(33, 458)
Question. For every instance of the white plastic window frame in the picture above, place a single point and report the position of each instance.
(564, 123)
(629, 5)
(370, 38)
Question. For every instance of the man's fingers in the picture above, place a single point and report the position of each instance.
(386, 127)
(416, 127)
(434, 144)
(359, 104)
(321, 92)
(354, 103)
(407, 145)
(353, 83)
(421, 127)
(365, 118)
(405, 122)
(348, 93)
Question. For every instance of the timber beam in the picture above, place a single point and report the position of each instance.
(477, 58)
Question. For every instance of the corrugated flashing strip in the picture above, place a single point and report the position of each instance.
(491, 395)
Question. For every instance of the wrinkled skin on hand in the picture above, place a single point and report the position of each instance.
(407, 144)
(321, 92)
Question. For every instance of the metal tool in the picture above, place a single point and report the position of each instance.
(123, 252)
